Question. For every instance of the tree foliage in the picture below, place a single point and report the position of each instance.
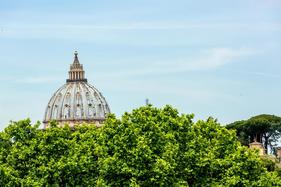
(262, 128)
(147, 147)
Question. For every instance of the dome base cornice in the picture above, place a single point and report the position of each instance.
(81, 80)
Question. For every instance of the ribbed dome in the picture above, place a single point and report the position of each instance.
(76, 101)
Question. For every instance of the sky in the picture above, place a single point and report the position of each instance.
(212, 58)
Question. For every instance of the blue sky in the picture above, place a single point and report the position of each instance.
(211, 58)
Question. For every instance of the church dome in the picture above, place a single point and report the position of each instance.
(76, 101)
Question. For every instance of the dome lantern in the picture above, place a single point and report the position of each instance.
(76, 72)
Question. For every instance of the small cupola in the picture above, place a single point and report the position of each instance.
(76, 72)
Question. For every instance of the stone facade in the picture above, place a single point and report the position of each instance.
(259, 146)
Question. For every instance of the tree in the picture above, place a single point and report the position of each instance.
(262, 128)
(147, 147)
(52, 157)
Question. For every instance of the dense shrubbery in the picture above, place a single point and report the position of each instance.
(148, 147)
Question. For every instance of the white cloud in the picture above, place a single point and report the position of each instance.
(217, 57)
(206, 60)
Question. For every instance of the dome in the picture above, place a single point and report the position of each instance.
(76, 101)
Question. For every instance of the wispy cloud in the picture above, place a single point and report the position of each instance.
(39, 80)
(212, 59)
(258, 74)
(152, 25)
(207, 60)
(90, 31)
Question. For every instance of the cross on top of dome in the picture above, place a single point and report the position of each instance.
(76, 60)
(76, 72)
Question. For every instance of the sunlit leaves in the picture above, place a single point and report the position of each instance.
(147, 147)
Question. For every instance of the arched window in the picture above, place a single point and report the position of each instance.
(88, 98)
(78, 112)
(78, 99)
(100, 113)
(66, 107)
(67, 98)
(55, 112)
(58, 113)
(91, 111)
(66, 111)
(79, 105)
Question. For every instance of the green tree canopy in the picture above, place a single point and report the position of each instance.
(147, 147)
(262, 128)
